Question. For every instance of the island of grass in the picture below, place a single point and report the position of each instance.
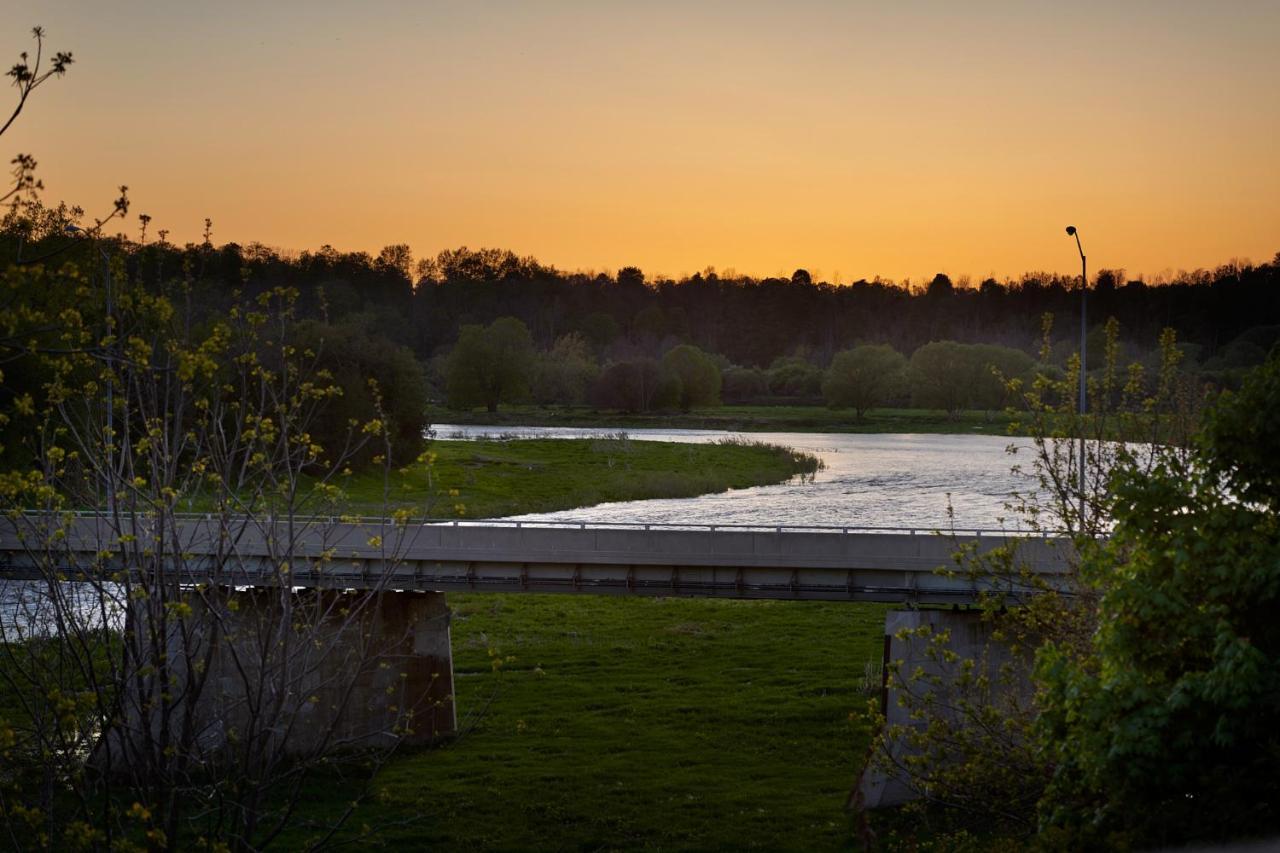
(491, 478)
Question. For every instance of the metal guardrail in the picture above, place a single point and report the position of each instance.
(588, 524)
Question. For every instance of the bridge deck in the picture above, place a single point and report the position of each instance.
(818, 563)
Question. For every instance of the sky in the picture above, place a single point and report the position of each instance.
(852, 139)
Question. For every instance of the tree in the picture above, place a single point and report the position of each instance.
(744, 384)
(793, 376)
(943, 375)
(698, 376)
(969, 743)
(1170, 729)
(640, 385)
(564, 375)
(28, 74)
(490, 365)
(631, 277)
(993, 367)
(106, 667)
(373, 374)
(862, 377)
(940, 287)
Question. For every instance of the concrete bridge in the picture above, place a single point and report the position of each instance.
(410, 566)
(824, 563)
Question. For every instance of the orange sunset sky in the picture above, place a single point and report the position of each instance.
(854, 139)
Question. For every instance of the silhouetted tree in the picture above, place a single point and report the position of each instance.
(490, 364)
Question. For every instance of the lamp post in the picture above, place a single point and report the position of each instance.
(1084, 289)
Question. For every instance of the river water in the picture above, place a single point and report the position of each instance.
(880, 480)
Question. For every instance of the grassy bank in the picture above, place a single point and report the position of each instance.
(495, 478)
(739, 419)
(633, 723)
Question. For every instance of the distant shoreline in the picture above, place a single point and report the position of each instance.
(815, 419)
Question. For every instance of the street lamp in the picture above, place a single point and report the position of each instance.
(1084, 289)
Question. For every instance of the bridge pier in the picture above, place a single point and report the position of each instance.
(299, 672)
(926, 653)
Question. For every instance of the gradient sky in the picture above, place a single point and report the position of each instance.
(855, 139)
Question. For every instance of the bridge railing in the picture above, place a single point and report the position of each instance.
(588, 524)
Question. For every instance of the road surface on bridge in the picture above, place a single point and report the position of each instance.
(792, 563)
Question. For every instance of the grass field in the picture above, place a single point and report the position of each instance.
(739, 419)
(494, 478)
(635, 723)
(629, 723)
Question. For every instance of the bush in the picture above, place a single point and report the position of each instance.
(1170, 730)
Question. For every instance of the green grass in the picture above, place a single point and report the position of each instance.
(740, 419)
(628, 723)
(495, 478)
(633, 723)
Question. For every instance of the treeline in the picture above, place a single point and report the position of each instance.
(615, 340)
(499, 363)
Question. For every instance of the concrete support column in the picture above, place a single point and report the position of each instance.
(919, 666)
(295, 672)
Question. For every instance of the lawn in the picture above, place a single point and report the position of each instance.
(628, 723)
(636, 723)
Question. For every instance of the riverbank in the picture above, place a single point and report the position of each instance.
(739, 419)
(491, 478)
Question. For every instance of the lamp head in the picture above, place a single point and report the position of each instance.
(1071, 230)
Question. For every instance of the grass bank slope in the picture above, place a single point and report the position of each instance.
(636, 723)
(496, 478)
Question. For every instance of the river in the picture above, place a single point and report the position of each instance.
(876, 480)
(880, 480)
